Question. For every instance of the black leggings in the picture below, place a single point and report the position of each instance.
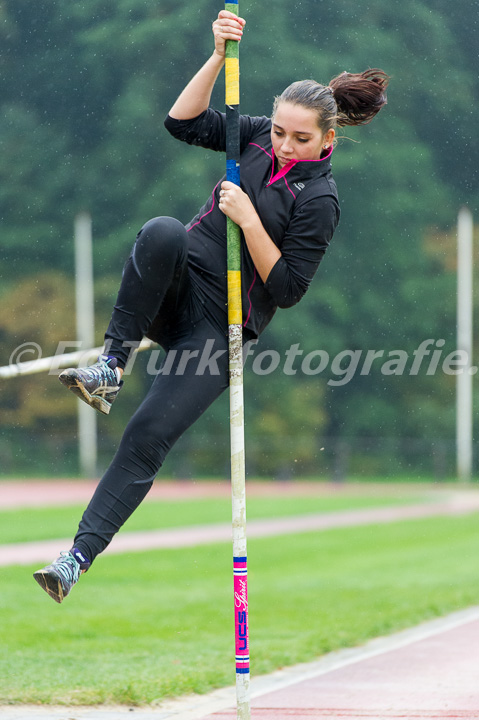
(157, 298)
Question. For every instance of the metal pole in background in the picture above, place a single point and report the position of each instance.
(85, 322)
(54, 363)
(235, 322)
(464, 344)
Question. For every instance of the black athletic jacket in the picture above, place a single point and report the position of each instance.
(298, 207)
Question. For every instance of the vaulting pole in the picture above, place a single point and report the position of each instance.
(235, 321)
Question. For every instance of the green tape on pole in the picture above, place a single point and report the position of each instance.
(232, 46)
(234, 245)
(232, 49)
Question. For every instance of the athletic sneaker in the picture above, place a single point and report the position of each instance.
(58, 578)
(97, 385)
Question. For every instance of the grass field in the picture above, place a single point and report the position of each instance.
(144, 626)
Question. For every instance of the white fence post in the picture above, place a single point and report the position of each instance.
(464, 344)
(85, 321)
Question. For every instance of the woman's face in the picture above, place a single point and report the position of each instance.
(295, 134)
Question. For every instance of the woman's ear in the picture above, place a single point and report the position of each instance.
(328, 139)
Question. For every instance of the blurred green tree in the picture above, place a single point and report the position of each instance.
(84, 88)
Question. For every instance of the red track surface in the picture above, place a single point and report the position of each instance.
(436, 677)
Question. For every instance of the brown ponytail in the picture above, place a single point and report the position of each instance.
(359, 96)
(349, 99)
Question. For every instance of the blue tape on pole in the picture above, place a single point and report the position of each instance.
(233, 171)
